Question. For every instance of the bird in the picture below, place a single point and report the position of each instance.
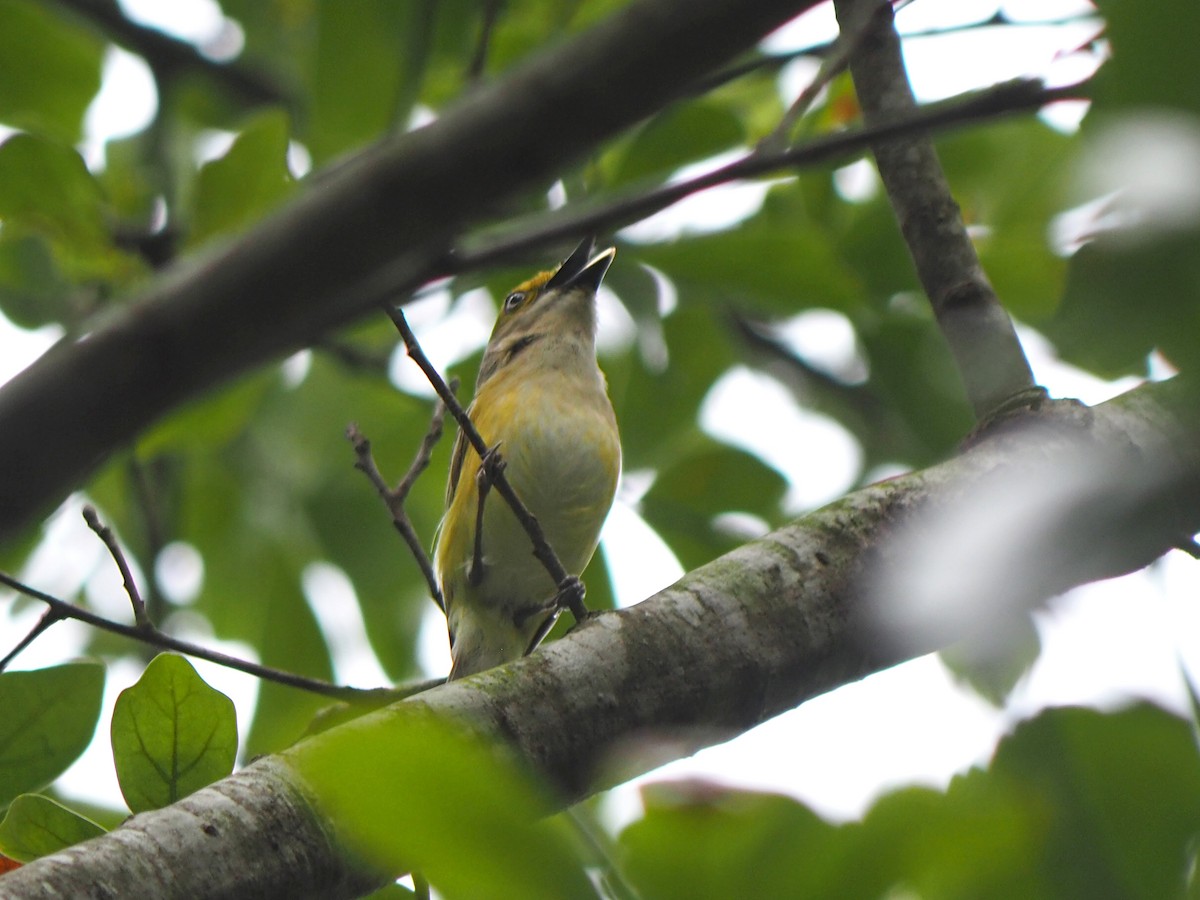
(541, 404)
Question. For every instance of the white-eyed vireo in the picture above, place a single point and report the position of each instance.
(541, 399)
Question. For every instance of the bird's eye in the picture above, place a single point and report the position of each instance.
(513, 300)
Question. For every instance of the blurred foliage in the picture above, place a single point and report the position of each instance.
(1075, 803)
(259, 480)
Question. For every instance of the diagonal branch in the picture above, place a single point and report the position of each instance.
(283, 284)
(169, 57)
(976, 327)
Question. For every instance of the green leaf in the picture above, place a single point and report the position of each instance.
(37, 826)
(412, 792)
(251, 178)
(366, 70)
(701, 841)
(689, 494)
(1152, 56)
(172, 734)
(758, 268)
(679, 136)
(1120, 797)
(49, 718)
(1125, 297)
(46, 189)
(33, 291)
(49, 70)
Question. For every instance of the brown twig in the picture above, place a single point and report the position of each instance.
(487, 27)
(49, 617)
(145, 632)
(141, 620)
(569, 586)
(394, 498)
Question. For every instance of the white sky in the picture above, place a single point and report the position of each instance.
(1102, 643)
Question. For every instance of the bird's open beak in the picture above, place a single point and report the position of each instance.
(581, 268)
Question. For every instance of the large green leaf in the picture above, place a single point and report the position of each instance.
(46, 189)
(366, 68)
(714, 478)
(172, 734)
(33, 290)
(705, 841)
(36, 826)
(413, 793)
(49, 70)
(1151, 63)
(248, 181)
(1124, 298)
(657, 401)
(49, 717)
(758, 268)
(687, 133)
(1121, 798)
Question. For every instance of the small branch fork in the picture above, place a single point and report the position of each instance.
(145, 632)
(394, 498)
(570, 589)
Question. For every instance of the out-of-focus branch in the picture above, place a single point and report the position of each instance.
(279, 287)
(979, 332)
(169, 57)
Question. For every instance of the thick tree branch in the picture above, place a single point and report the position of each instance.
(288, 281)
(805, 609)
(977, 329)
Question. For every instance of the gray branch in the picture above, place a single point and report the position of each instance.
(976, 327)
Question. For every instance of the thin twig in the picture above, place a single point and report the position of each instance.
(148, 496)
(568, 585)
(141, 620)
(394, 498)
(557, 228)
(529, 236)
(832, 65)
(49, 617)
(487, 27)
(773, 62)
(145, 633)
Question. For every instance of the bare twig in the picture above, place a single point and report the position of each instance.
(548, 230)
(832, 65)
(773, 62)
(147, 478)
(141, 620)
(49, 617)
(491, 13)
(978, 331)
(144, 631)
(394, 498)
(568, 585)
